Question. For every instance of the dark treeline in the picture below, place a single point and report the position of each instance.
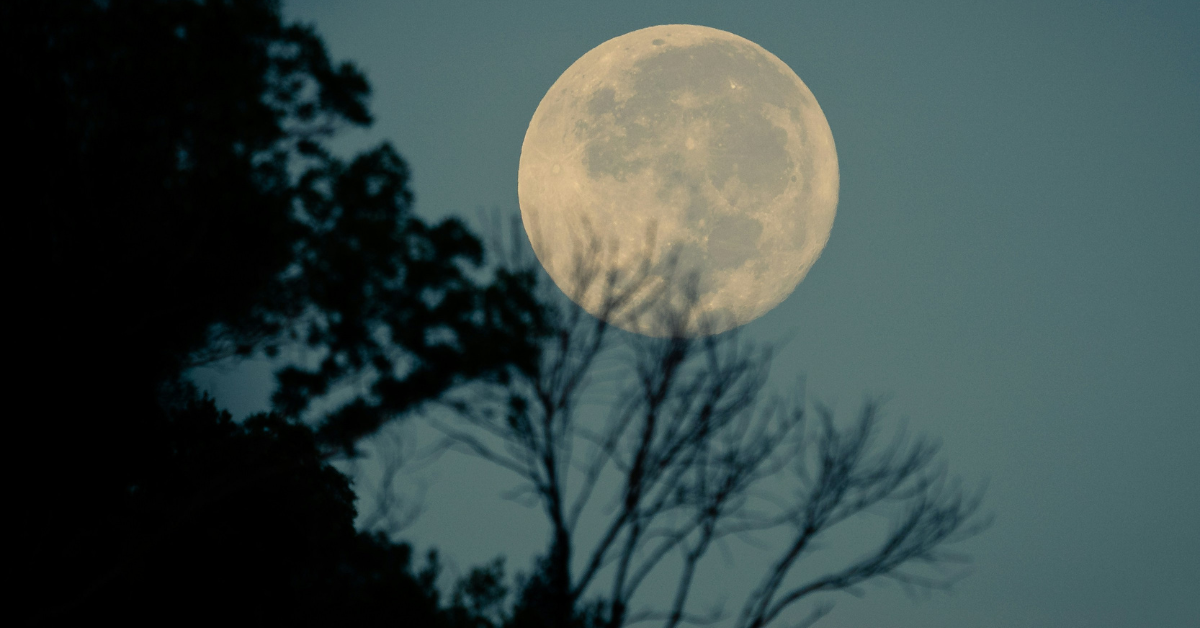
(174, 205)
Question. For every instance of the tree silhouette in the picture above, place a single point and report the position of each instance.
(248, 517)
(691, 451)
(173, 203)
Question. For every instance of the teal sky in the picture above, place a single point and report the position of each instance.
(1015, 262)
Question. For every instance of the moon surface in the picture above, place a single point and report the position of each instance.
(684, 160)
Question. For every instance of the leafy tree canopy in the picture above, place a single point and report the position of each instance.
(181, 207)
(173, 203)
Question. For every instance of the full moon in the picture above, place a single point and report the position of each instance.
(682, 160)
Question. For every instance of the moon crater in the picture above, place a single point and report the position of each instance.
(700, 137)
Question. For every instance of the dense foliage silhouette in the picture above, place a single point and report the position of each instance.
(172, 203)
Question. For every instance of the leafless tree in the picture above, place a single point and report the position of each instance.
(383, 506)
(694, 444)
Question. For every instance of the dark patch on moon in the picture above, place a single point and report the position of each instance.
(727, 241)
(723, 87)
(720, 83)
(734, 239)
(603, 101)
(755, 150)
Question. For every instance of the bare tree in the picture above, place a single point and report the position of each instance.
(691, 443)
(383, 506)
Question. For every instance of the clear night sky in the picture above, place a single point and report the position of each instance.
(1015, 261)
